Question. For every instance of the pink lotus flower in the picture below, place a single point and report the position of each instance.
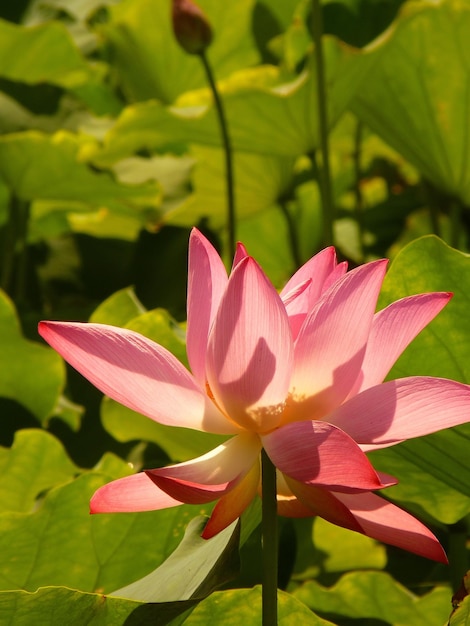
(300, 374)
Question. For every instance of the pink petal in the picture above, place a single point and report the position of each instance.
(228, 461)
(339, 271)
(292, 296)
(297, 306)
(212, 475)
(321, 454)
(331, 344)
(232, 504)
(402, 409)
(136, 372)
(386, 522)
(249, 356)
(240, 253)
(323, 503)
(207, 280)
(190, 492)
(315, 272)
(392, 330)
(129, 495)
(289, 505)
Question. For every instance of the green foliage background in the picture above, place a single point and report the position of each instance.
(109, 154)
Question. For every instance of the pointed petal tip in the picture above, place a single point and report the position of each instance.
(240, 254)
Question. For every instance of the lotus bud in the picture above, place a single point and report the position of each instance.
(191, 27)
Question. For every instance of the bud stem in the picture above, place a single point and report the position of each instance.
(226, 144)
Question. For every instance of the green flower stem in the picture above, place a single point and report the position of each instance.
(270, 540)
(324, 171)
(231, 221)
(359, 204)
(292, 233)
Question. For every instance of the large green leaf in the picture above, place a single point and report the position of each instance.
(30, 373)
(36, 166)
(195, 569)
(442, 348)
(46, 53)
(376, 595)
(40, 457)
(243, 606)
(118, 309)
(151, 64)
(260, 181)
(266, 237)
(434, 470)
(417, 95)
(323, 547)
(267, 112)
(48, 171)
(56, 606)
(43, 53)
(171, 172)
(61, 544)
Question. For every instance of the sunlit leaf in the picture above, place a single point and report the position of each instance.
(260, 181)
(417, 97)
(323, 547)
(36, 166)
(376, 595)
(266, 237)
(35, 449)
(60, 543)
(30, 373)
(294, 43)
(434, 470)
(171, 172)
(46, 53)
(243, 606)
(56, 606)
(195, 569)
(118, 309)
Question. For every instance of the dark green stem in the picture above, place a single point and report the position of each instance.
(359, 203)
(270, 540)
(231, 220)
(292, 233)
(324, 171)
